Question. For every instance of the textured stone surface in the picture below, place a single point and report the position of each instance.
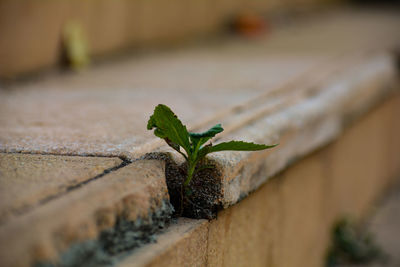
(183, 244)
(27, 180)
(302, 125)
(104, 110)
(377, 158)
(291, 88)
(288, 220)
(135, 191)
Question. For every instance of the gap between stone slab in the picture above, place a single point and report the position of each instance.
(115, 243)
(173, 175)
(206, 187)
(121, 157)
(174, 170)
(78, 185)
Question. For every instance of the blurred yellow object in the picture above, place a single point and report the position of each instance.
(75, 45)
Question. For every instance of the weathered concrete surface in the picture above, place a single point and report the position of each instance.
(288, 220)
(104, 111)
(27, 180)
(307, 123)
(301, 95)
(301, 118)
(135, 191)
(185, 243)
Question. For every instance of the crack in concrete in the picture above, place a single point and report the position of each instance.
(122, 157)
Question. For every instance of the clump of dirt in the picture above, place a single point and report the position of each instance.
(201, 199)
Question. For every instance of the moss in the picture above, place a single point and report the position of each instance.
(127, 235)
(352, 245)
(124, 237)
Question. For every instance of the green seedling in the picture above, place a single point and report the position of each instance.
(195, 145)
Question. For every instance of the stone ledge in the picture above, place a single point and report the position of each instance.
(287, 221)
(103, 111)
(184, 241)
(303, 126)
(28, 180)
(302, 88)
(135, 194)
(312, 115)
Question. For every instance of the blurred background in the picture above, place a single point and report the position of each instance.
(46, 36)
(40, 34)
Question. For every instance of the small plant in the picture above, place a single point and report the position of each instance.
(352, 245)
(195, 145)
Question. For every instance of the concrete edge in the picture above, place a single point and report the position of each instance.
(131, 200)
(320, 119)
(312, 121)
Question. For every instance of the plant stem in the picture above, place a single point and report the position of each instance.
(192, 162)
(191, 168)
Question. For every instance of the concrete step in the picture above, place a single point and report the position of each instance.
(30, 180)
(292, 88)
(288, 220)
(98, 218)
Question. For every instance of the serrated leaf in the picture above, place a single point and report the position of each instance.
(239, 146)
(169, 127)
(234, 146)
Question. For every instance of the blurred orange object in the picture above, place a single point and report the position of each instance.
(250, 24)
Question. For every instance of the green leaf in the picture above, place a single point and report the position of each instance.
(239, 146)
(233, 146)
(169, 127)
(198, 139)
(209, 133)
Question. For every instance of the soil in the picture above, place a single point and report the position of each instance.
(203, 201)
(199, 201)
